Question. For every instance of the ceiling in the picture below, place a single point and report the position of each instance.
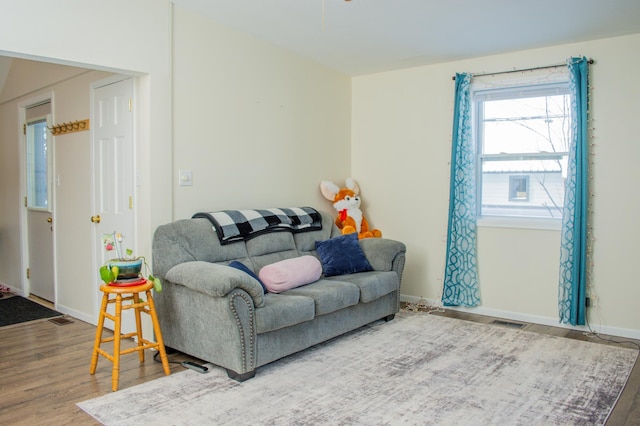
(366, 36)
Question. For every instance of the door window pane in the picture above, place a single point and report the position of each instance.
(37, 165)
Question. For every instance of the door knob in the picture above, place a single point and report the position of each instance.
(95, 219)
(49, 219)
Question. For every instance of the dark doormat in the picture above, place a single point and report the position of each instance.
(17, 309)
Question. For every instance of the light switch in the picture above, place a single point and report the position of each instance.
(184, 178)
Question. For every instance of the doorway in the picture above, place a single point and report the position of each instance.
(70, 89)
(38, 155)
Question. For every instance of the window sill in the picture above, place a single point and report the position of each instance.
(519, 223)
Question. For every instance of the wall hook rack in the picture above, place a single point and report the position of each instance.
(70, 127)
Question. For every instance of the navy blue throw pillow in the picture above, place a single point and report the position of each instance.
(242, 267)
(342, 255)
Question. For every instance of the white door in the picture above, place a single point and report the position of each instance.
(41, 272)
(39, 200)
(113, 175)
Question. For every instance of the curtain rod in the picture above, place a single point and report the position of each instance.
(590, 61)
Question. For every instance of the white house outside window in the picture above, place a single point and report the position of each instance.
(522, 135)
(519, 188)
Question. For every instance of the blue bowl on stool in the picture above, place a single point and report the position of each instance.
(128, 268)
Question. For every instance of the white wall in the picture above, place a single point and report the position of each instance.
(74, 203)
(401, 142)
(120, 36)
(257, 125)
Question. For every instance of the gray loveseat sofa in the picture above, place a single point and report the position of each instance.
(223, 316)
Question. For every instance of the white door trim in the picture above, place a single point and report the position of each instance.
(24, 234)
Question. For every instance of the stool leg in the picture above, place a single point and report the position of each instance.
(116, 344)
(96, 344)
(158, 333)
(136, 301)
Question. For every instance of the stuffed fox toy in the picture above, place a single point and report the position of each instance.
(346, 201)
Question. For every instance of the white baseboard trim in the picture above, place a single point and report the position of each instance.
(17, 291)
(60, 308)
(82, 316)
(535, 319)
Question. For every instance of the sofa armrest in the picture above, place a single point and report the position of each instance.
(215, 280)
(384, 254)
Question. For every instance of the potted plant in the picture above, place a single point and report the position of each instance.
(124, 267)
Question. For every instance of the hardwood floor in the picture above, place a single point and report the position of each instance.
(44, 372)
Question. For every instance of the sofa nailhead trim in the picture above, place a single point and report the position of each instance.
(249, 304)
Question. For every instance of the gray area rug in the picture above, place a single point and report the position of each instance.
(418, 369)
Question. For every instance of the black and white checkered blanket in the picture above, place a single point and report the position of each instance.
(237, 225)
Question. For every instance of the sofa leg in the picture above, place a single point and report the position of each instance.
(240, 377)
(389, 317)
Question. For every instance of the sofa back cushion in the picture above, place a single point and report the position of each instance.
(306, 241)
(189, 240)
(270, 248)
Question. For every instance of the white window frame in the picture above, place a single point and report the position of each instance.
(481, 93)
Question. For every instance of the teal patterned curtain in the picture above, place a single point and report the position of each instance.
(461, 277)
(573, 250)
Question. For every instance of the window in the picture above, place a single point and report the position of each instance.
(522, 136)
(38, 157)
(519, 188)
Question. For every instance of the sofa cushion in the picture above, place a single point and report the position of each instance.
(271, 243)
(290, 273)
(244, 268)
(281, 311)
(329, 296)
(306, 241)
(342, 255)
(372, 284)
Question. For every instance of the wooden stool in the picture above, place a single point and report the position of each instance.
(148, 307)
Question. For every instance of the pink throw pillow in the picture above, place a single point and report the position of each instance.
(290, 273)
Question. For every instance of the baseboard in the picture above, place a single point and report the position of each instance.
(534, 319)
(82, 316)
(15, 290)
(60, 308)
(90, 319)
